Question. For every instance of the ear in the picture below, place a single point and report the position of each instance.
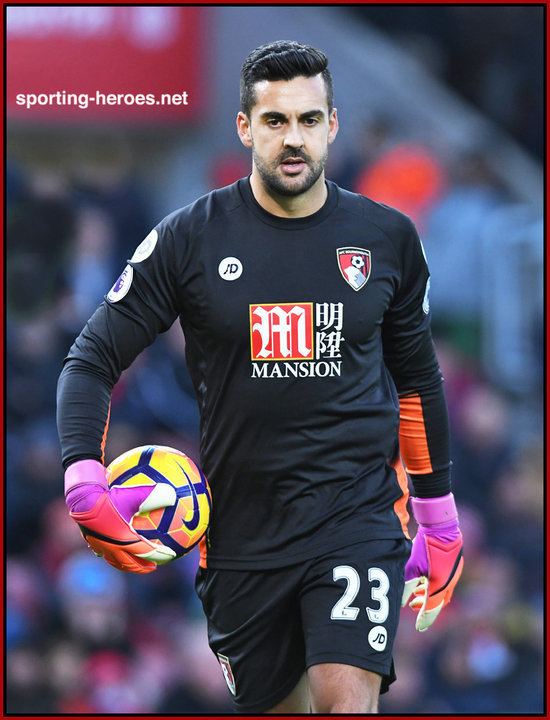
(243, 130)
(332, 126)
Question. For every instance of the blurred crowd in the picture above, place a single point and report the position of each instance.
(493, 57)
(83, 638)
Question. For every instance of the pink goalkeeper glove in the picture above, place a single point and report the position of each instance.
(436, 563)
(104, 516)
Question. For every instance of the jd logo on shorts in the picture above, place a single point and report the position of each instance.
(227, 673)
(230, 268)
(378, 637)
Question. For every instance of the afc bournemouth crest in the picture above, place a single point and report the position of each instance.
(227, 673)
(355, 265)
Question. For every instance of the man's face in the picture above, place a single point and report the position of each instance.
(289, 131)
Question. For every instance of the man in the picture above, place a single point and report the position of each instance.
(304, 308)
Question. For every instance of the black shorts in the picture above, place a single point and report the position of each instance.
(267, 626)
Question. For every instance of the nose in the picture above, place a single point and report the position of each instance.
(293, 137)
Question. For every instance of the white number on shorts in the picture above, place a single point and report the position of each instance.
(342, 609)
(379, 594)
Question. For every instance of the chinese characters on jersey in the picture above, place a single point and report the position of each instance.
(296, 339)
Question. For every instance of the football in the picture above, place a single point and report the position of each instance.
(181, 525)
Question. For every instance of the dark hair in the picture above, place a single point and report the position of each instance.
(282, 60)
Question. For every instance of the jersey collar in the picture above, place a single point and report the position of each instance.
(288, 223)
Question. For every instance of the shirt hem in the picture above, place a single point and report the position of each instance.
(270, 562)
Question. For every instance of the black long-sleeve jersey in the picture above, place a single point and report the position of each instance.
(301, 335)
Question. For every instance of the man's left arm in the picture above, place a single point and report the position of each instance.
(436, 560)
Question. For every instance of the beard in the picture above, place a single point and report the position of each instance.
(278, 184)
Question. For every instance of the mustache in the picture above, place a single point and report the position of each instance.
(293, 155)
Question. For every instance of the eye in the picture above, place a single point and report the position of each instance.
(310, 122)
(274, 122)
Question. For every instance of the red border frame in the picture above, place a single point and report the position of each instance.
(2, 354)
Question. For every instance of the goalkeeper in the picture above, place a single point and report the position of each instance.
(307, 323)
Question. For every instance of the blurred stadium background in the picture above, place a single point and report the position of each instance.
(441, 111)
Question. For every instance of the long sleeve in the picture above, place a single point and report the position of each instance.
(410, 357)
(141, 304)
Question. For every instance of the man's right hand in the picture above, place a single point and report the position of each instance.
(103, 516)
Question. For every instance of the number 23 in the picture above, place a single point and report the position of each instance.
(343, 610)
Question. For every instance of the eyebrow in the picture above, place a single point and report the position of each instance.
(274, 115)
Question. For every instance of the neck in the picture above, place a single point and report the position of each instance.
(294, 206)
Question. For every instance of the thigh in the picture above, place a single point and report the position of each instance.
(255, 631)
(351, 600)
(297, 701)
(344, 689)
